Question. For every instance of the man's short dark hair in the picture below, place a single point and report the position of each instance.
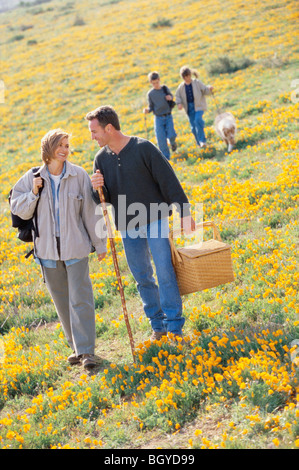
(105, 115)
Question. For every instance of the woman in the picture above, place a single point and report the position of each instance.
(190, 95)
(67, 224)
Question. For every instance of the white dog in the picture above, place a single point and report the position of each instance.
(225, 126)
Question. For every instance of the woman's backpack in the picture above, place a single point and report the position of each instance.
(27, 229)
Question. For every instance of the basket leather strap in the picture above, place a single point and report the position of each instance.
(208, 223)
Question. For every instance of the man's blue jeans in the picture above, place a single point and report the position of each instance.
(163, 304)
(164, 129)
(197, 123)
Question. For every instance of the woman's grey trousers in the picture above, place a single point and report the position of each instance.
(71, 290)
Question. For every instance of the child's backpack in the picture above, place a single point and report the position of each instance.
(171, 103)
(26, 227)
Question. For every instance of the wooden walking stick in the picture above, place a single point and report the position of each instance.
(116, 267)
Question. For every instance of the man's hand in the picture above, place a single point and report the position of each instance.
(188, 224)
(145, 110)
(97, 180)
(101, 256)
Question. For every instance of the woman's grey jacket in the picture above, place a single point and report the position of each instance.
(82, 224)
(199, 92)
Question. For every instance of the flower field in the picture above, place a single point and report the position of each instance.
(235, 383)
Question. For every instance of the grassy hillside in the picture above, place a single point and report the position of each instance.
(236, 384)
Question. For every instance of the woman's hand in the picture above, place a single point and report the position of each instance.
(37, 184)
(180, 106)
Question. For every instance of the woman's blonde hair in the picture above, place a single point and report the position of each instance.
(186, 71)
(50, 142)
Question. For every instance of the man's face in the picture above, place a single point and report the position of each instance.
(98, 133)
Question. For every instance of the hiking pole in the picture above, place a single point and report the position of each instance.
(116, 267)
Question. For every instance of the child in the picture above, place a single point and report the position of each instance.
(190, 95)
(158, 103)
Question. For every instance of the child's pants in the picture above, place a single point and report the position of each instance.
(164, 129)
(197, 124)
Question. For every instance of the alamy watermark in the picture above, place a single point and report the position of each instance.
(138, 221)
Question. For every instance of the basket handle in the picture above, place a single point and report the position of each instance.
(208, 223)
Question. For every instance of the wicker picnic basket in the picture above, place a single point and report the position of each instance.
(203, 265)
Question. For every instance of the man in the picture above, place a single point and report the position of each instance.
(136, 177)
(158, 99)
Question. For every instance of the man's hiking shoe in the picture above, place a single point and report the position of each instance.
(157, 335)
(174, 146)
(88, 361)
